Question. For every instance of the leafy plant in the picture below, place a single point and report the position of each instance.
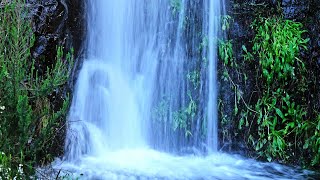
(277, 45)
(6, 168)
(280, 112)
(30, 123)
(160, 112)
(194, 78)
(176, 6)
(276, 123)
(312, 144)
(183, 118)
(225, 21)
(226, 53)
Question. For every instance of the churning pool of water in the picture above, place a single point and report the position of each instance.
(145, 164)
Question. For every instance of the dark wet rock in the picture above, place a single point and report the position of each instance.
(42, 42)
(294, 9)
(56, 23)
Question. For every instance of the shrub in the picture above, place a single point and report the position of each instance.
(283, 125)
(30, 122)
(277, 122)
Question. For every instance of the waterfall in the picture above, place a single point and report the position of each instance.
(213, 31)
(136, 55)
(145, 102)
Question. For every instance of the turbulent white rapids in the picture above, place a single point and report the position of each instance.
(147, 164)
(136, 52)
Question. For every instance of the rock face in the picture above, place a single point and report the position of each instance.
(56, 23)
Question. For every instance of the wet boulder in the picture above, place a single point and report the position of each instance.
(56, 23)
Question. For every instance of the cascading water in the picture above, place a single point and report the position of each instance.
(212, 110)
(138, 94)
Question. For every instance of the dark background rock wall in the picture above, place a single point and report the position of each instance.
(57, 23)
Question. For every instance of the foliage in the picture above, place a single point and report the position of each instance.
(225, 21)
(6, 171)
(183, 118)
(280, 112)
(204, 43)
(230, 68)
(176, 6)
(279, 118)
(29, 121)
(277, 44)
(194, 78)
(312, 143)
(226, 53)
(277, 123)
(160, 112)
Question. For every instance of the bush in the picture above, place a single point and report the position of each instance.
(277, 123)
(30, 122)
(283, 126)
(6, 171)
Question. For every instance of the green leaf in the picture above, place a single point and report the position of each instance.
(269, 159)
(236, 110)
(241, 122)
(280, 114)
(224, 27)
(244, 48)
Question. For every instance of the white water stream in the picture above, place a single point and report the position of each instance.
(135, 51)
